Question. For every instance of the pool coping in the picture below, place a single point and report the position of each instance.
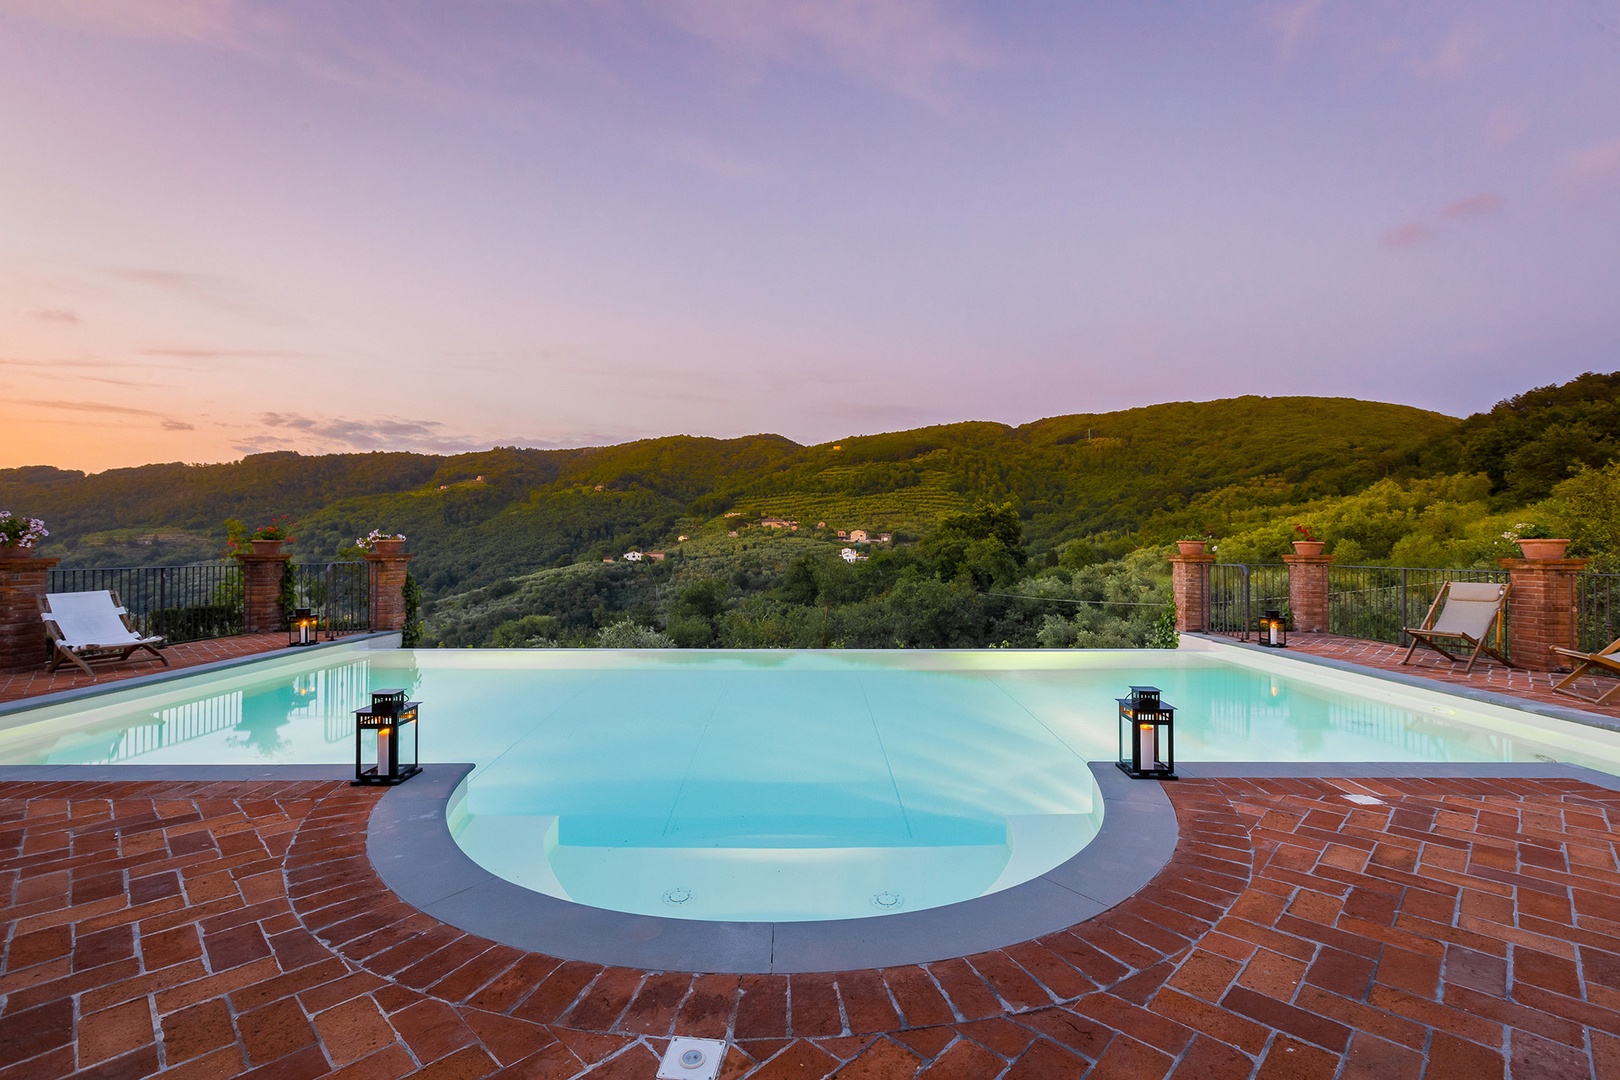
(379, 639)
(1215, 643)
(412, 850)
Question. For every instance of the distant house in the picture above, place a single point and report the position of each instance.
(598, 487)
(850, 555)
(733, 532)
(778, 523)
(609, 558)
(733, 513)
(885, 538)
(856, 536)
(842, 535)
(656, 556)
(682, 539)
(821, 524)
(632, 556)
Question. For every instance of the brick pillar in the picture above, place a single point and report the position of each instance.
(1189, 585)
(261, 588)
(1308, 591)
(388, 589)
(1541, 610)
(22, 635)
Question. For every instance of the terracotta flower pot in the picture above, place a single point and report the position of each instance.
(1543, 549)
(267, 547)
(15, 551)
(1192, 547)
(387, 547)
(1309, 547)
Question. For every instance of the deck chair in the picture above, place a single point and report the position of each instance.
(1605, 660)
(92, 627)
(1464, 614)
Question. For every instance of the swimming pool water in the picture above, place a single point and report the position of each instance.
(768, 785)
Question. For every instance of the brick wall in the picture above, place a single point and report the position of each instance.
(261, 588)
(1308, 591)
(1189, 584)
(388, 589)
(22, 634)
(1541, 610)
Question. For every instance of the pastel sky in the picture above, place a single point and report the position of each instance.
(229, 225)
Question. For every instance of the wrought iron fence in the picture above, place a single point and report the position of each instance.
(338, 594)
(180, 603)
(1375, 603)
(1597, 610)
(1239, 594)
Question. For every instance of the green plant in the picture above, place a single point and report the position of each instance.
(280, 528)
(411, 634)
(287, 595)
(1164, 635)
(1528, 531)
(1192, 537)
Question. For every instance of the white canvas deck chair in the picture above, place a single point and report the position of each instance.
(92, 627)
(1465, 615)
(1605, 661)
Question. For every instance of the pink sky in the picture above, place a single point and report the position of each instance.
(232, 226)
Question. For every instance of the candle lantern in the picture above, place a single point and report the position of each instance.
(1147, 735)
(1273, 630)
(303, 628)
(389, 715)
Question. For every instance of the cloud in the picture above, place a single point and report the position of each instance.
(224, 294)
(208, 21)
(1486, 202)
(340, 433)
(1505, 126)
(1410, 235)
(1292, 22)
(1595, 165)
(225, 354)
(90, 407)
(1456, 53)
(57, 315)
(177, 425)
(909, 47)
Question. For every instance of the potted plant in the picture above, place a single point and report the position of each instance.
(381, 543)
(1537, 541)
(1192, 544)
(1307, 544)
(18, 535)
(267, 539)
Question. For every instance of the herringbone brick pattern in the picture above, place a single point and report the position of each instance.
(1447, 928)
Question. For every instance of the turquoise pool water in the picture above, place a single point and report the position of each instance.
(764, 785)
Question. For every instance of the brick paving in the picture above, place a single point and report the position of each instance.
(1452, 928)
(36, 681)
(1428, 664)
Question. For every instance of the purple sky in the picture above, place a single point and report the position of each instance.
(228, 226)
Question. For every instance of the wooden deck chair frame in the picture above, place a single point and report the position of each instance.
(1427, 633)
(83, 655)
(1606, 660)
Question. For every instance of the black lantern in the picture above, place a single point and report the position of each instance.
(1273, 630)
(303, 628)
(389, 715)
(1147, 735)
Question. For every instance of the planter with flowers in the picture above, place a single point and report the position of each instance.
(381, 543)
(1192, 544)
(18, 535)
(1536, 541)
(1307, 544)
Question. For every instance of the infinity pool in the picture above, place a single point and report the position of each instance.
(777, 786)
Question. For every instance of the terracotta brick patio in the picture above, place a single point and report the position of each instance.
(18, 685)
(1457, 928)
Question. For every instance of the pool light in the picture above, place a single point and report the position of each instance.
(1147, 735)
(388, 715)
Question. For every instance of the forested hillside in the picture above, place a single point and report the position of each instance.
(1051, 533)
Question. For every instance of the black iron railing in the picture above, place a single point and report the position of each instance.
(1375, 603)
(180, 603)
(1239, 594)
(338, 594)
(1597, 610)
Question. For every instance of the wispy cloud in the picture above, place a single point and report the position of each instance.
(1486, 202)
(910, 47)
(1292, 24)
(1596, 165)
(177, 425)
(387, 433)
(90, 407)
(208, 21)
(57, 315)
(225, 354)
(221, 293)
(1455, 55)
(1410, 235)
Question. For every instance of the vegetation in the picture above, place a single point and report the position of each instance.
(1048, 534)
